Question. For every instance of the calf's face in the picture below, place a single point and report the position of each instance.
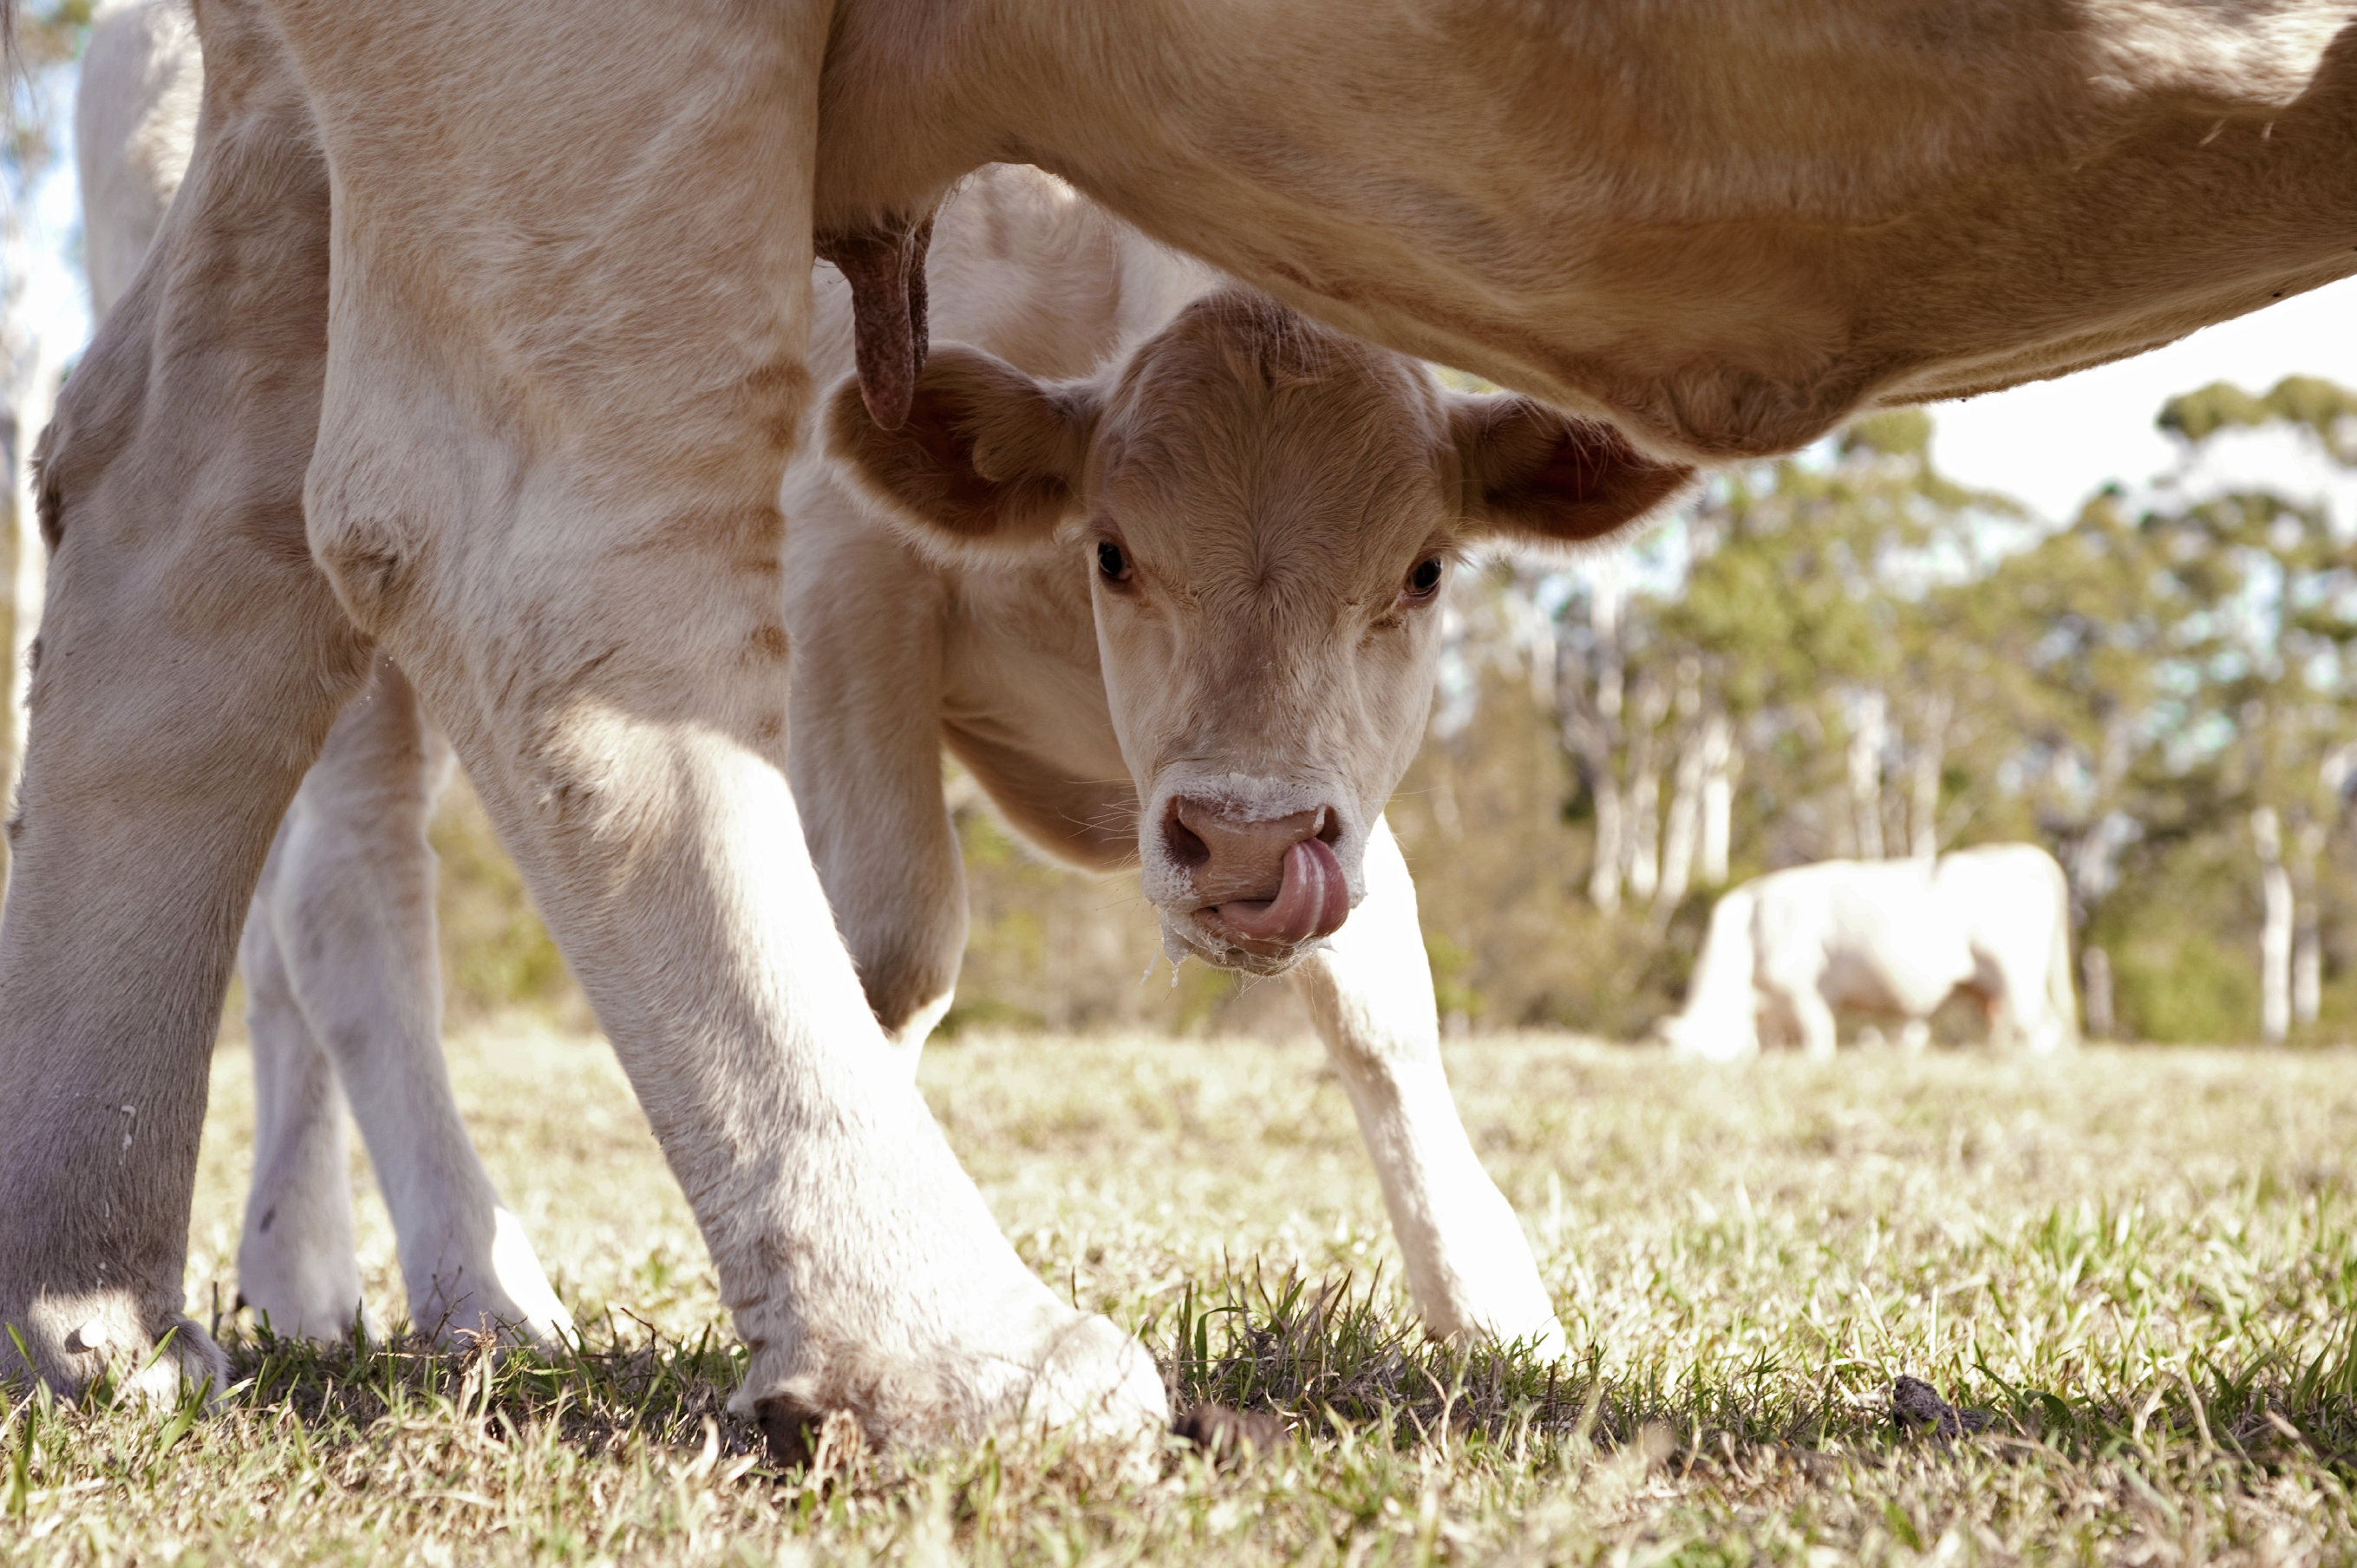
(1267, 513)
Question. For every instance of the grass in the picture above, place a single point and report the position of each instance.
(2139, 1264)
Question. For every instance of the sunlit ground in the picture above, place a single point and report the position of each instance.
(2139, 1262)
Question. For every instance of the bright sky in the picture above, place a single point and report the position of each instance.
(2050, 443)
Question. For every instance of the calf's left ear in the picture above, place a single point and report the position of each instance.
(1534, 477)
(989, 458)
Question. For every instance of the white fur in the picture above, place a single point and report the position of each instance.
(1895, 938)
(342, 984)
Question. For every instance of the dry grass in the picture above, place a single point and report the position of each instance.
(2138, 1261)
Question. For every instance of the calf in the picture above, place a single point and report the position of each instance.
(1182, 612)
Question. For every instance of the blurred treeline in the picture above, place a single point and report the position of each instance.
(1837, 654)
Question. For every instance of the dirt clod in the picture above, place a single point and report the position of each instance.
(1916, 1406)
(1229, 1437)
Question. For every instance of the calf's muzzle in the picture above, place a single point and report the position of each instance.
(1268, 883)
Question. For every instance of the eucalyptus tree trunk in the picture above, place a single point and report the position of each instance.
(1869, 728)
(1643, 836)
(2275, 934)
(1721, 763)
(1590, 722)
(2095, 979)
(2307, 939)
(1929, 756)
(1682, 831)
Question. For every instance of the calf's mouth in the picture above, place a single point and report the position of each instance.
(1311, 901)
(1271, 932)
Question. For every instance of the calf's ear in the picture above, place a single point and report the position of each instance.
(1534, 477)
(989, 458)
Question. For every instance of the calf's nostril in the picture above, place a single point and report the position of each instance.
(1328, 831)
(1188, 850)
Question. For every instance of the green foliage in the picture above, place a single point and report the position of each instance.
(2326, 410)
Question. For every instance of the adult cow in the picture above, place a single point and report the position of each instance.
(993, 644)
(1244, 705)
(526, 433)
(1894, 937)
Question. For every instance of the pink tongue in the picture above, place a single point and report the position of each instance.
(1313, 900)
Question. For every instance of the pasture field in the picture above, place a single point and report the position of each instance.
(2139, 1262)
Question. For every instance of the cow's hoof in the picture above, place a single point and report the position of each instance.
(1089, 1380)
(100, 1339)
(1099, 1380)
(1546, 1340)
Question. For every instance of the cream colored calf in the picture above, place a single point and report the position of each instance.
(1895, 938)
(477, 335)
(1183, 611)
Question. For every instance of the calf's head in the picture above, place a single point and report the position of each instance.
(1267, 513)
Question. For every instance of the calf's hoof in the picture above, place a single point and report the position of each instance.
(506, 1297)
(76, 1341)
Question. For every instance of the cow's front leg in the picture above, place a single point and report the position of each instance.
(1468, 1265)
(348, 908)
(191, 660)
(565, 371)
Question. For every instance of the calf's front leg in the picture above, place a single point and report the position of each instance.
(1468, 1265)
(865, 621)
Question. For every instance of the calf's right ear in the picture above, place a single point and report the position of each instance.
(1536, 478)
(989, 458)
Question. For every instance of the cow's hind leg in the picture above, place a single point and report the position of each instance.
(1468, 1265)
(546, 480)
(1813, 1017)
(191, 660)
(349, 905)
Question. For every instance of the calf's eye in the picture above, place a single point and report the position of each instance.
(1425, 580)
(1112, 564)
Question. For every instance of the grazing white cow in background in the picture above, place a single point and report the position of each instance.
(477, 336)
(925, 628)
(1893, 938)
